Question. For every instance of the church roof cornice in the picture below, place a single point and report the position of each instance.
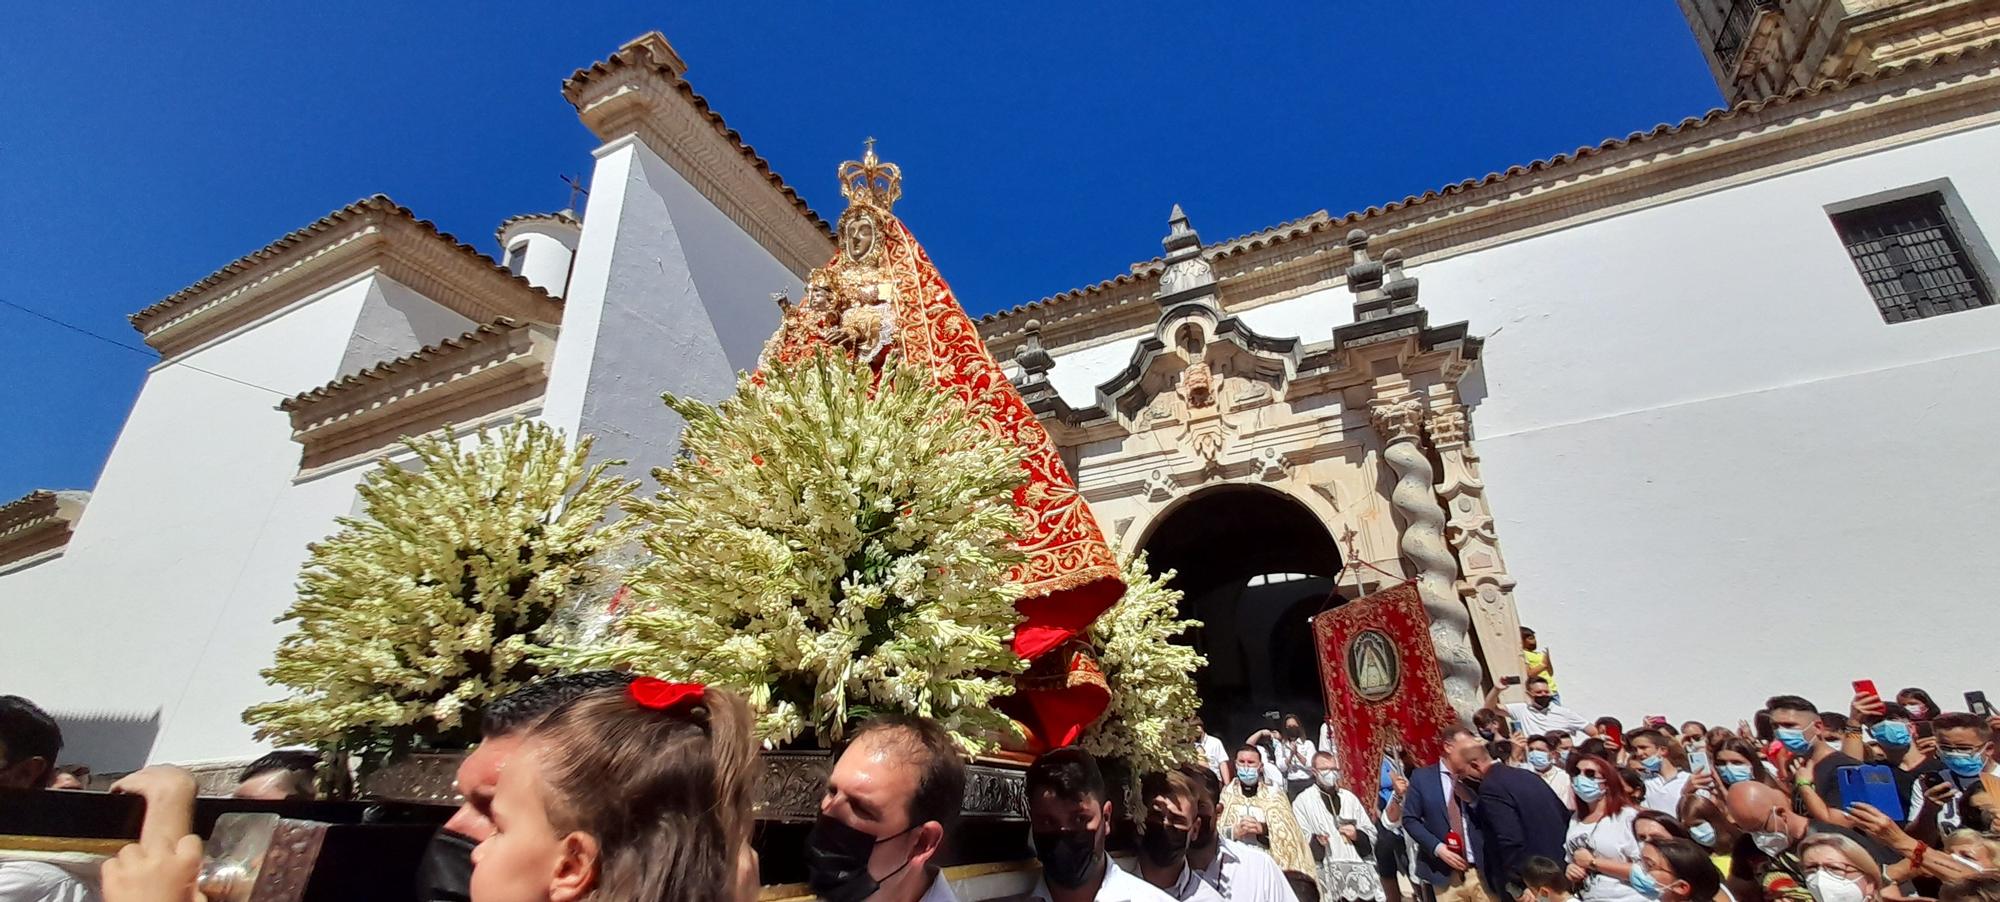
(1083, 310)
(371, 232)
(560, 217)
(642, 89)
(38, 524)
(497, 366)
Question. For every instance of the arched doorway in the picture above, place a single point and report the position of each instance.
(1253, 564)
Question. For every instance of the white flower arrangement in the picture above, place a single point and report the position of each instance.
(1150, 722)
(433, 602)
(830, 544)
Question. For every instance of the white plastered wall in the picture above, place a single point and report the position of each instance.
(160, 610)
(1717, 474)
(667, 294)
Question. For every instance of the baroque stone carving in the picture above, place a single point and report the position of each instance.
(1271, 465)
(1398, 419)
(1198, 385)
(1484, 584)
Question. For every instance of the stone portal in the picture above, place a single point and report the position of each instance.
(1254, 566)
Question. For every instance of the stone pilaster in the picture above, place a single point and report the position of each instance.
(1484, 583)
(1398, 417)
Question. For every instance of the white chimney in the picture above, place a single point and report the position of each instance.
(539, 246)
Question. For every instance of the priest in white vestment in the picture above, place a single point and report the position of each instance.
(1336, 826)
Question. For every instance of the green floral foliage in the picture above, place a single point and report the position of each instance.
(1153, 700)
(831, 544)
(431, 604)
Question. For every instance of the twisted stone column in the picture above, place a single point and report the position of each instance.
(1398, 419)
(1484, 583)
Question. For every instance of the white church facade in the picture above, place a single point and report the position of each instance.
(1704, 405)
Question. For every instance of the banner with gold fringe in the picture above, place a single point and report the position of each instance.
(1384, 690)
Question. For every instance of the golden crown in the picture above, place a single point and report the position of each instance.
(871, 181)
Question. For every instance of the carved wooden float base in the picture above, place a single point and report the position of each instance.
(788, 789)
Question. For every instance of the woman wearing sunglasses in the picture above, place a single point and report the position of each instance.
(1601, 845)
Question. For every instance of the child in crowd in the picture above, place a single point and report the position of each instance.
(1543, 881)
(1536, 662)
(640, 793)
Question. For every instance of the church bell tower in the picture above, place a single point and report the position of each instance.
(1763, 48)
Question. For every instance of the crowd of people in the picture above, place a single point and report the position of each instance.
(606, 787)
(1534, 802)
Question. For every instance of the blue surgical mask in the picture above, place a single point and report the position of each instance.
(1587, 789)
(1642, 882)
(1538, 759)
(1964, 764)
(1794, 740)
(1733, 774)
(1653, 764)
(1703, 832)
(1246, 775)
(1894, 733)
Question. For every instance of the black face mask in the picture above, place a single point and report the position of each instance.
(1204, 835)
(1542, 702)
(837, 861)
(445, 874)
(1067, 856)
(1163, 845)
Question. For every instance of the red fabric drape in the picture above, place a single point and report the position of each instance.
(1383, 688)
(1069, 573)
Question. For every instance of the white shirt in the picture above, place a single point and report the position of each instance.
(1189, 887)
(1218, 757)
(1664, 795)
(1611, 839)
(1558, 780)
(940, 890)
(1241, 873)
(40, 881)
(1554, 718)
(1343, 873)
(1117, 886)
(1293, 757)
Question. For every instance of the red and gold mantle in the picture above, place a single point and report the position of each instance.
(880, 295)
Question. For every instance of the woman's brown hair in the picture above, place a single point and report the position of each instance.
(666, 794)
(1615, 797)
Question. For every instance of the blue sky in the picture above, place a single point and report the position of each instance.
(144, 145)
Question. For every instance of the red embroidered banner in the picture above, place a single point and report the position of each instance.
(1383, 688)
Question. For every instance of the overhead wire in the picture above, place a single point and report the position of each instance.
(80, 330)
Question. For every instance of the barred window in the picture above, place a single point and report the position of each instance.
(1912, 258)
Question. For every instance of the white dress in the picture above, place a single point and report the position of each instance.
(1611, 839)
(1343, 873)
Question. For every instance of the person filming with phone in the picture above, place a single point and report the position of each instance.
(1798, 727)
(1906, 743)
(1540, 714)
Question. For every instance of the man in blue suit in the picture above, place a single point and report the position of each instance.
(1513, 816)
(1431, 811)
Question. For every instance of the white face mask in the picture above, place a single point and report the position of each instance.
(1827, 886)
(1328, 779)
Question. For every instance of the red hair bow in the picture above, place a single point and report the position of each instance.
(660, 695)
